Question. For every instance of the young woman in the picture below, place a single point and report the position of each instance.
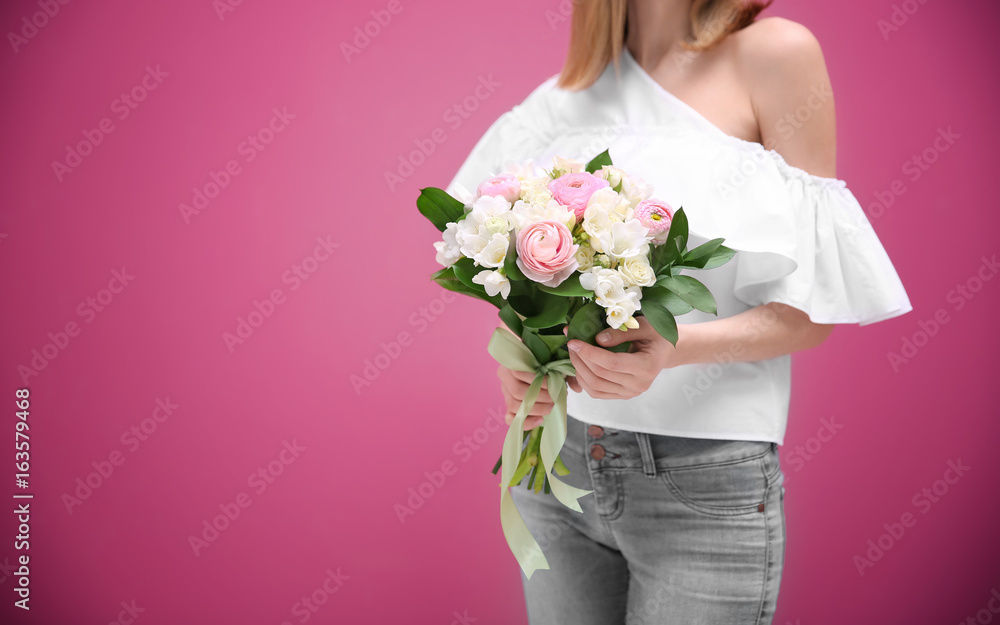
(733, 119)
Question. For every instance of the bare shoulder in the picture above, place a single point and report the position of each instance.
(777, 42)
(785, 75)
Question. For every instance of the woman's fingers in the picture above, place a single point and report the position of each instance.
(530, 423)
(517, 387)
(595, 385)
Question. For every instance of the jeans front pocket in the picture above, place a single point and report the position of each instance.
(721, 488)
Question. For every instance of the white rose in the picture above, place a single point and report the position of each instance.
(536, 191)
(636, 190)
(612, 174)
(637, 272)
(526, 214)
(494, 282)
(616, 206)
(567, 165)
(584, 257)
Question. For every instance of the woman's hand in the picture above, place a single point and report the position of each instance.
(610, 375)
(514, 385)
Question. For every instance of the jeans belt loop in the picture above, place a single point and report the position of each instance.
(646, 451)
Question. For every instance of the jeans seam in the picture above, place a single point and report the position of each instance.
(767, 563)
(713, 511)
(716, 464)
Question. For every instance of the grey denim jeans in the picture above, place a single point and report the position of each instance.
(678, 530)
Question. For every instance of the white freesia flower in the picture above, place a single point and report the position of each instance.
(619, 302)
(597, 224)
(489, 216)
(526, 214)
(448, 250)
(628, 239)
(494, 282)
(494, 252)
(636, 271)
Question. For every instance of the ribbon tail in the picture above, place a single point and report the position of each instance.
(553, 438)
(522, 544)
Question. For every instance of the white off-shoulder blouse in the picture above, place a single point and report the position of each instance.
(801, 240)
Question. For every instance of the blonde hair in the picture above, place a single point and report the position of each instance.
(597, 34)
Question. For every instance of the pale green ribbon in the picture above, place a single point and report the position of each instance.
(510, 352)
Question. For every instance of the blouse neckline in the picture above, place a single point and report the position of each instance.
(712, 128)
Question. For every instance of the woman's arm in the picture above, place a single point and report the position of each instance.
(789, 90)
(756, 334)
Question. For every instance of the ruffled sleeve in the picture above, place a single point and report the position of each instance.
(518, 135)
(832, 265)
(802, 240)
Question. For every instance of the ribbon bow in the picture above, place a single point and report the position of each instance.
(510, 352)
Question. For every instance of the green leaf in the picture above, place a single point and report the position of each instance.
(587, 322)
(510, 266)
(720, 257)
(447, 279)
(697, 257)
(537, 346)
(661, 320)
(465, 268)
(691, 291)
(599, 161)
(570, 287)
(439, 207)
(553, 311)
(511, 319)
(673, 248)
(553, 341)
(668, 300)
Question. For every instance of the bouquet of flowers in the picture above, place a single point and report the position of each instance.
(563, 254)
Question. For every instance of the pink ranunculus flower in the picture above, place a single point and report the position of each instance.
(546, 252)
(574, 190)
(506, 186)
(656, 215)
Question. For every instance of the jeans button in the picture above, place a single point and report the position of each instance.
(595, 431)
(596, 452)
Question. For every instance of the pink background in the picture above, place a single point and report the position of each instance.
(322, 175)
